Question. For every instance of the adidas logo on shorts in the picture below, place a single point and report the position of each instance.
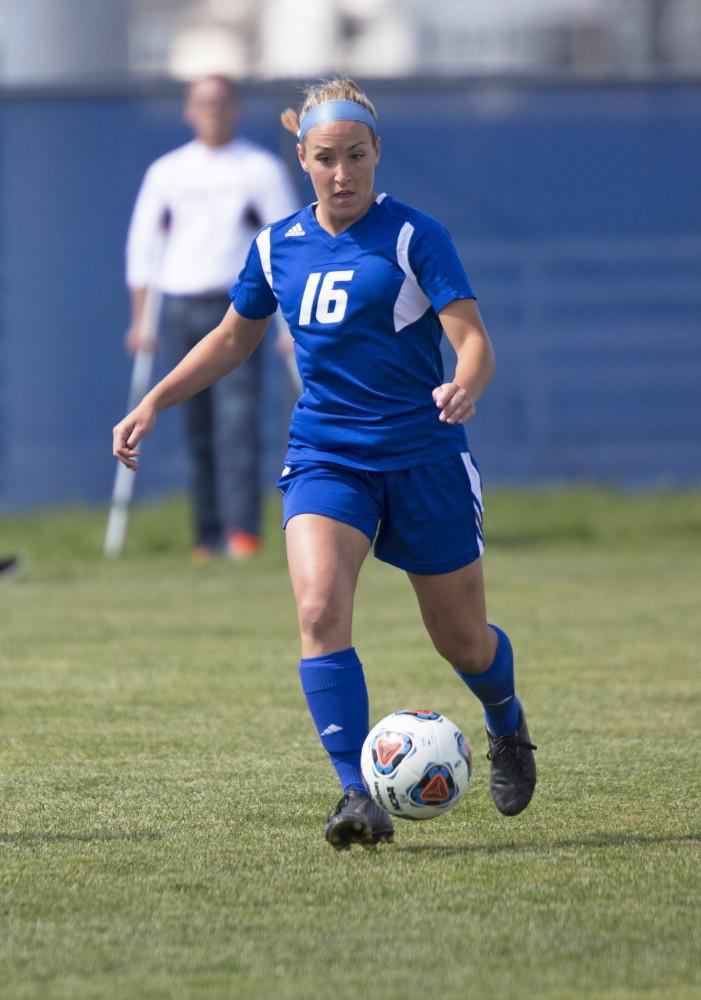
(296, 230)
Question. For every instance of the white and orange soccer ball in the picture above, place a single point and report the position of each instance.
(416, 764)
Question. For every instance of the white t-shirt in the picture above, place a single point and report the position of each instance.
(214, 200)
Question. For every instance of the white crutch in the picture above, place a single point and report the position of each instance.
(138, 387)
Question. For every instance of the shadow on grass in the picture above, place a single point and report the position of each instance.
(595, 840)
(22, 838)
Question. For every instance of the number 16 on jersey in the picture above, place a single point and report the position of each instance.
(331, 302)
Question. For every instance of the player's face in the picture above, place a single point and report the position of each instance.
(340, 158)
(211, 111)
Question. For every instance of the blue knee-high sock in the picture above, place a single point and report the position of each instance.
(334, 686)
(495, 689)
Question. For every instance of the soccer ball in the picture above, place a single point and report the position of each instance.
(416, 764)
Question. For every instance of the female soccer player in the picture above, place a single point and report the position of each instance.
(377, 449)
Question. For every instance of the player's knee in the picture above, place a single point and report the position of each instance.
(320, 616)
(465, 651)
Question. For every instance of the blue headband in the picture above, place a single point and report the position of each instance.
(336, 111)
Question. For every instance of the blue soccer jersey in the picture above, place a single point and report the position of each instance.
(362, 309)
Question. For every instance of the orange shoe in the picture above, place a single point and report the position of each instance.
(243, 545)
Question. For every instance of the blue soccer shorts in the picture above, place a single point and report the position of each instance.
(427, 519)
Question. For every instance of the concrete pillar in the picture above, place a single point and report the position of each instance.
(64, 40)
(298, 39)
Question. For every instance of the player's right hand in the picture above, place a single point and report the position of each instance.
(128, 432)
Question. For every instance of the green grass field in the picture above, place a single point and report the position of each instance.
(164, 793)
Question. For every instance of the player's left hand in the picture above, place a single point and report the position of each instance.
(455, 404)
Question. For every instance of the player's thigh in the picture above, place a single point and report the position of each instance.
(453, 608)
(324, 558)
(330, 515)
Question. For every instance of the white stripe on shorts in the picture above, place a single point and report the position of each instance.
(476, 488)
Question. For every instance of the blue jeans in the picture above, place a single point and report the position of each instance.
(222, 427)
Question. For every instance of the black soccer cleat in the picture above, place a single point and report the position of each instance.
(9, 565)
(513, 776)
(358, 820)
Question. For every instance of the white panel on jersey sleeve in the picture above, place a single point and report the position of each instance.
(381, 197)
(411, 302)
(263, 244)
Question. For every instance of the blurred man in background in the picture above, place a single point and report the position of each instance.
(209, 197)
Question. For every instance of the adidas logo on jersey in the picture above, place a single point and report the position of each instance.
(296, 230)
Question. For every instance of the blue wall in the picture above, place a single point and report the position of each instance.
(577, 210)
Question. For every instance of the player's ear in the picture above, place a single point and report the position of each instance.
(378, 145)
(301, 157)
